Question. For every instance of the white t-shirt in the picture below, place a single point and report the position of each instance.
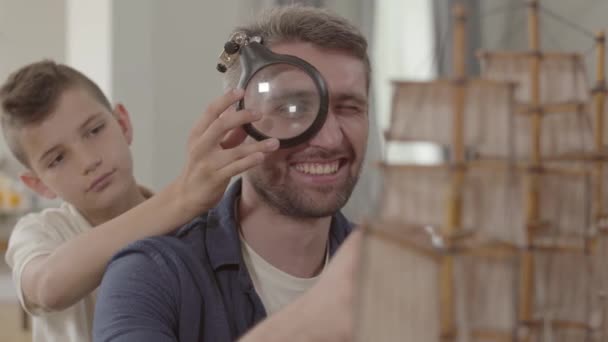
(275, 287)
(40, 234)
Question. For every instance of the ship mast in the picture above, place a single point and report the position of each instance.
(599, 99)
(533, 191)
(599, 104)
(453, 218)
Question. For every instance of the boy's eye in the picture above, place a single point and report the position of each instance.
(58, 159)
(95, 130)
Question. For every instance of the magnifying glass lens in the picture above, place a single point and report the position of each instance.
(287, 98)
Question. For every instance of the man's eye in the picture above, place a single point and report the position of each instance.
(349, 109)
(294, 111)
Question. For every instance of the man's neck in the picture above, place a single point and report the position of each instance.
(293, 245)
(98, 216)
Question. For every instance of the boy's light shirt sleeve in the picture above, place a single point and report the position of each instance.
(30, 238)
(40, 234)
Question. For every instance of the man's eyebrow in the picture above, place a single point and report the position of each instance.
(357, 98)
(342, 97)
(295, 93)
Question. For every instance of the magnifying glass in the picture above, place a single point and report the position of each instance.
(290, 93)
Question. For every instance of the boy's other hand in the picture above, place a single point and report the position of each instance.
(216, 153)
(325, 313)
(330, 304)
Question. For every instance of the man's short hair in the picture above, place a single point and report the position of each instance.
(32, 93)
(305, 24)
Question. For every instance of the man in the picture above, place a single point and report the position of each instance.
(266, 243)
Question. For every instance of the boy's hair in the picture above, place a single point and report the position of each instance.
(32, 93)
(306, 24)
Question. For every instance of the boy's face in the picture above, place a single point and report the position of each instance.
(316, 178)
(80, 152)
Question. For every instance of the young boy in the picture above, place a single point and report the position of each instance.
(75, 146)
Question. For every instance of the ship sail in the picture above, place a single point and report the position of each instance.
(553, 108)
(563, 100)
(423, 111)
(498, 238)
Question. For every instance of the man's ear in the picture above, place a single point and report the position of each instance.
(35, 184)
(122, 116)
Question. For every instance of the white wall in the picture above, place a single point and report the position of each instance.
(134, 78)
(30, 30)
(89, 40)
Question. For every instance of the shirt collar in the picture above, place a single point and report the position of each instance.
(222, 235)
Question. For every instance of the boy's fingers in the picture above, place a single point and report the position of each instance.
(219, 131)
(233, 138)
(233, 155)
(215, 109)
(228, 121)
(346, 259)
(240, 165)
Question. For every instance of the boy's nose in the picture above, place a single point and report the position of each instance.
(90, 162)
(330, 136)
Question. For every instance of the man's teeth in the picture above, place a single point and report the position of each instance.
(318, 169)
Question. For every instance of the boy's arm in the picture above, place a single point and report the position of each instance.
(58, 280)
(215, 154)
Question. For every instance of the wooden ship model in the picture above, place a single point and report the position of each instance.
(504, 238)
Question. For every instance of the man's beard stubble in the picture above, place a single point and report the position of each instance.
(279, 193)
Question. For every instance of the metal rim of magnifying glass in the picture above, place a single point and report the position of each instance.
(317, 80)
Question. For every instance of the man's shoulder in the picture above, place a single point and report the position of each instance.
(183, 247)
(341, 225)
(340, 228)
(171, 265)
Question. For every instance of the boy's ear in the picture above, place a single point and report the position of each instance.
(122, 116)
(35, 184)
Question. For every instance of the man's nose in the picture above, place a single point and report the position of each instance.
(330, 136)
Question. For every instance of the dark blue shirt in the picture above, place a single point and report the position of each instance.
(189, 287)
